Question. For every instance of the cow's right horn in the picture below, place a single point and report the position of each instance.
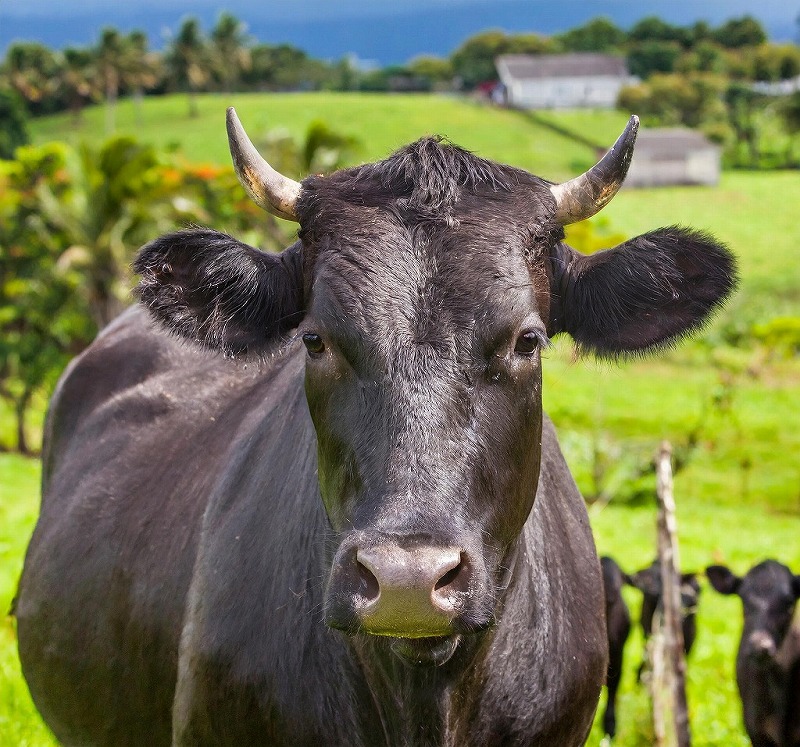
(585, 195)
(270, 190)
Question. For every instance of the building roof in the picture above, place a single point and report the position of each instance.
(667, 142)
(537, 66)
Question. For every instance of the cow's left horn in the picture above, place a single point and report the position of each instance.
(270, 190)
(587, 194)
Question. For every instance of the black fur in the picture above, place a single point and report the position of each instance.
(768, 658)
(618, 627)
(645, 294)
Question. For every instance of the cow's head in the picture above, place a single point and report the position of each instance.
(424, 288)
(769, 592)
(648, 581)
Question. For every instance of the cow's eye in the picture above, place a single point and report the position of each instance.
(313, 343)
(527, 343)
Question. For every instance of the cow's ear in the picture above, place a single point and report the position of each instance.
(796, 586)
(723, 579)
(643, 294)
(647, 581)
(210, 288)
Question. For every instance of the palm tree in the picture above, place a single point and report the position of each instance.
(109, 62)
(77, 79)
(320, 151)
(117, 200)
(188, 60)
(30, 69)
(141, 68)
(231, 55)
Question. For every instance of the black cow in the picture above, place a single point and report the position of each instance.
(648, 581)
(362, 530)
(768, 660)
(618, 627)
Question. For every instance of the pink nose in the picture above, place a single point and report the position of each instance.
(762, 644)
(412, 593)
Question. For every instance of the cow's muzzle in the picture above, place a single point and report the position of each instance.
(402, 588)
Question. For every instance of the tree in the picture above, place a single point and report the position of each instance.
(13, 123)
(473, 61)
(109, 65)
(703, 57)
(790, 114)
(77, 79)
(743, 105)
(188, 61)
(598, 35)
(773, 62)
(230, 50)
(740, 32)
(648, 57)
(118, 198)
(140, 68)
(42, 320)
(652, 29)
(437, 70)
(322, 150)
(31, 70)
(690, 100)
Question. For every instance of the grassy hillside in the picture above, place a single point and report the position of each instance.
(738, 497)
(381, 123)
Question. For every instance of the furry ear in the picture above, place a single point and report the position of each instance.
(643, 294)
(648, 581)
(722, 579)
(210, 288)
(796, 586)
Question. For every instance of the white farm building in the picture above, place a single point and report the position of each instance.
(562, 81)
(673, 155)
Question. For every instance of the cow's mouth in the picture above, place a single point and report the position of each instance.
(435, 650)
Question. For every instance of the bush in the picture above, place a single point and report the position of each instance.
(13, 123)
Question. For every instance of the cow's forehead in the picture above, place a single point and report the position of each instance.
(423, 275)
(769, 579)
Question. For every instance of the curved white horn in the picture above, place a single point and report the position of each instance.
(585, 195)
(269, 189)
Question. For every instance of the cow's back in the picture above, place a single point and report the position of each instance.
(139, 432)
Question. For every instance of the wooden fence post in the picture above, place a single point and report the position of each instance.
(667, 656)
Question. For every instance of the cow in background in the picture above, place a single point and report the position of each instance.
(648, 581)
(618, 627)
(768, 659)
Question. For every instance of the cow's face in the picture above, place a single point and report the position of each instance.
(769, 593)
(424, 288)
(423, 376)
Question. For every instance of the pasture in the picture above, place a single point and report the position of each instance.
(726, 398)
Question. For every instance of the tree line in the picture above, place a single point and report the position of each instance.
(71, 219)
(227, 58)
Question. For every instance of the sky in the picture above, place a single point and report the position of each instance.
(388, 33)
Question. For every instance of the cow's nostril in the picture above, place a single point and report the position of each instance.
(449, 577)
(368, 587)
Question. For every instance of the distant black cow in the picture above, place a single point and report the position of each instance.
(648, 581)
(768, 660)
(363, 532)
(618, 627)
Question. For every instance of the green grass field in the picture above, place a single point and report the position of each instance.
(738, 498)
(380, 122)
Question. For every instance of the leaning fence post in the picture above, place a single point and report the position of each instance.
(669, 633)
